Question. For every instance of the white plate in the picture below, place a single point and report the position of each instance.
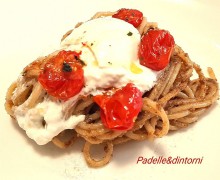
(30, 29)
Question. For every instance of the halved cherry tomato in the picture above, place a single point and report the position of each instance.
(155, 49)
(131, 16)
(63, 75)
(119, 110)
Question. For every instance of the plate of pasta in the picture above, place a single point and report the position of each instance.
(115, 88)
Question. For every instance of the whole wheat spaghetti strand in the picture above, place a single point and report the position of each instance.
(212, 90)
(80, 107)
(110, 135)
(91, 132)
(197, 112)
(150, 126)
(102, 14)
(182, 95)
(157, 109)
(92, 139)
(159, 87)
(142, 25)
(180, 101)
(211, 73)
(97, 163)
(178, 125)
(149, 26)
(140, 121)
(194, 85)
(189, 92)
(64, 144)
(138, 136)
(22, 91)
(178, 114)
(173, 128)
(188, 120)
(33, 69)
(173, 93)
(145, 26)
(120, 140)
(172, 78)
(9, 103)
(202, 86)
(200, 104)
(92, 117)
(91, 126)
(37, 93)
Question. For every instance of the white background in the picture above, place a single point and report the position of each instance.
(29, 29)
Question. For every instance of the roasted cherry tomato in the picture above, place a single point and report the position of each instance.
(132, 16)
(119, 110)
(63, 76)
(155, 49)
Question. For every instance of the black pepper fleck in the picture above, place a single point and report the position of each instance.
(44, 123)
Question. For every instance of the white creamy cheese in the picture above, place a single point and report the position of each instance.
(99, 78)
(46, 120)
(109, 48)
(114, 42)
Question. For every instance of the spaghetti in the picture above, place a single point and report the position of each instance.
(173, 103)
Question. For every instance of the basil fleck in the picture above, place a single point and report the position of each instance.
(130, 33)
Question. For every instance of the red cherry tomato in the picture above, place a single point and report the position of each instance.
(131, 16)
(63, 76)
(119, 110)
(155, 49)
